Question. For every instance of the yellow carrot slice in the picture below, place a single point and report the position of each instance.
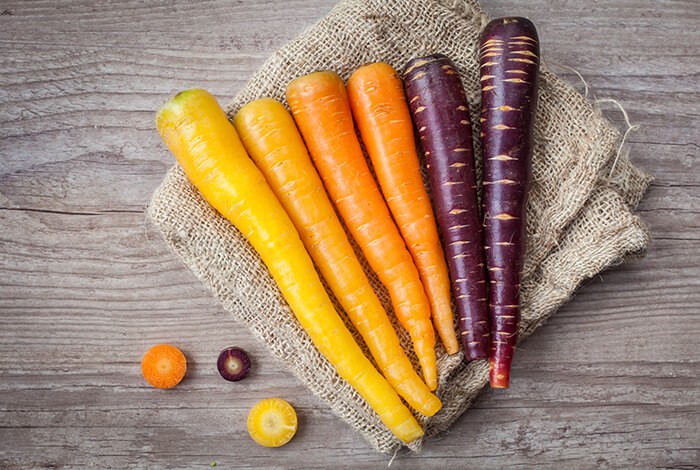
(198, 133)
(270, 136)
(319, 103)
(272, 422)
(379, 106)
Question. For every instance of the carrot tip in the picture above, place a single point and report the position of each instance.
(499, 384)
(499, 375)
(430, 381)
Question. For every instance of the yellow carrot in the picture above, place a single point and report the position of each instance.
(379, 106)
(198, 133)
(319, 103)
(270, 136)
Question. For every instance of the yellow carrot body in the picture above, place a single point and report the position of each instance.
(198, 133)
(270, 136)
(319, 103)
(381, 112)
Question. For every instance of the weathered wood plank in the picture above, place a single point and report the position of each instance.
(86, 285)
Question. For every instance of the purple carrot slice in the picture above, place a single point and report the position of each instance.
(509, 66)
(440, 113)
(233, 364)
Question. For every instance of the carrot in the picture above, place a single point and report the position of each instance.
(163, 366)
(440, 112)
(379, 106)
(509, 56)
(319, 103)
(272, 140)
(198, 133)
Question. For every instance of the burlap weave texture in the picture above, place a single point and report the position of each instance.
(580, 218)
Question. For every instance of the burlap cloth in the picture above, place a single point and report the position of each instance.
(580, 218)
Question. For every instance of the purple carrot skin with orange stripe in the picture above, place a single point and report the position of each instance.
(440, 112)
(509, 66)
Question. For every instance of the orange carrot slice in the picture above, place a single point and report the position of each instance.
(163, 366)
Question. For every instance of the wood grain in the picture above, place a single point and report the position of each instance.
(86, 285)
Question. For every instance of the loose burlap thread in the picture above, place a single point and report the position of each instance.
(580, 213)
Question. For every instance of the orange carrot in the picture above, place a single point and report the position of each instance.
(272, 140)
(379, 106)
(320, 106)
(163, 366)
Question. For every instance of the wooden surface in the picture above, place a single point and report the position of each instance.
(86, 285)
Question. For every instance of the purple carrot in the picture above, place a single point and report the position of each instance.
(509, 56)
(440, 113)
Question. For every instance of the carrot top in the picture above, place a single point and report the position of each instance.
(163, 366)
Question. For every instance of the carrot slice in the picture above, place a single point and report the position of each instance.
(272, 422)
(163, 366)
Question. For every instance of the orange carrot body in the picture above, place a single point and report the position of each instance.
(379, 106)
(272, 140)
(321, 109)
